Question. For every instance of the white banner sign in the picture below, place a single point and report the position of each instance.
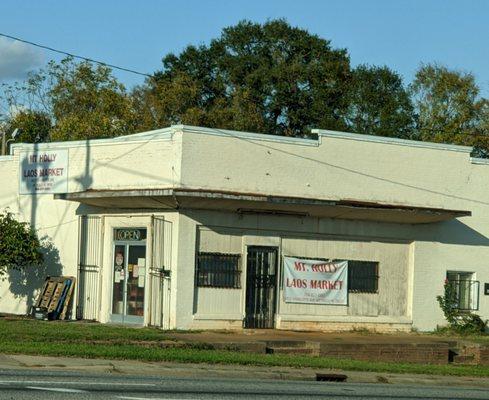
(315, 281)
(44, 172)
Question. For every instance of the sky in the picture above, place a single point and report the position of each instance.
(401, 34)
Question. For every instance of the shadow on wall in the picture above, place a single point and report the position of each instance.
(26, 283)
(452, 232)
(86, 180)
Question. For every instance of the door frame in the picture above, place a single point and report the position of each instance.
(123, 318)
(275, 294)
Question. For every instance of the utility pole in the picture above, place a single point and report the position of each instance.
(4, 142)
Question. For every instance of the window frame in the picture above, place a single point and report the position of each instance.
(473, 292)
(217, 276)
(375, 275)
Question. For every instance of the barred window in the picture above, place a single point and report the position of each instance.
(466, 290)
(218, 270)
(363, 276)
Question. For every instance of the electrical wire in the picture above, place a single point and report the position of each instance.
(132, 71)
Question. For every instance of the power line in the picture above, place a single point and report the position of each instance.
(76, 56)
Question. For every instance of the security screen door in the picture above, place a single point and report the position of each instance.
(261, 282)
(129, 275)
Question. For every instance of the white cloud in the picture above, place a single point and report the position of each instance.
(17, 58)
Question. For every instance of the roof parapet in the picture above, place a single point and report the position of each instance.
(392, 141)
(168, 132)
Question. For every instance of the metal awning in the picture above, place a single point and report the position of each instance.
(251, 203)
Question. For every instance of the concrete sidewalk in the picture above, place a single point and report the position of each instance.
(156, 369)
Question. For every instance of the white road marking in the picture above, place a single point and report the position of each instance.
(77, 383)
(63, 390)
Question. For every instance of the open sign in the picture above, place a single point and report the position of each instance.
(131, 235)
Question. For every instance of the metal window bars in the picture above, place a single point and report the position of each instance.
(467, 292)
(218, 270)
(363, 276)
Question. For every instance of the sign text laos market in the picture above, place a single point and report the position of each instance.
(44, 172)
(315, 281)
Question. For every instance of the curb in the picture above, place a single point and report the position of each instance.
(167, 369)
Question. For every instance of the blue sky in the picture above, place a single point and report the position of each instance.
(401, 34)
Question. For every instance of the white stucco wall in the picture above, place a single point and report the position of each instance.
(334, 167)
(355, 167)
(337, 166)
(308, 237)
(150, 160)
(56, 224)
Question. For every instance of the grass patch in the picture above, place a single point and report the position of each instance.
(183, 355)
(446, 332)
(80, 340)
(25, 330)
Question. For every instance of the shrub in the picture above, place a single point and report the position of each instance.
(471, 323)
(448, 303)
(462, 322)
(20, 247)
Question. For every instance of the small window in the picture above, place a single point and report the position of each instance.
(218, 270)
(363, 276)
(466, 289)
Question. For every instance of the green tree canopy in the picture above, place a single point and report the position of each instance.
(35, 126)
(270, 78)
(82, 101)
(20, 247)
(88, 102)
(449, 107)
(379, 104)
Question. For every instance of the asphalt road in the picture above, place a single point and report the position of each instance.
(73, 385)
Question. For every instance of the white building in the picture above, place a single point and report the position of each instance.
(188, 227)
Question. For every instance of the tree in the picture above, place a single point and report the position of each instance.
(379, 104)
(88, 102)
(81, 100)
(270, 78)
(20, 247)
(449, 108)
(35, 126)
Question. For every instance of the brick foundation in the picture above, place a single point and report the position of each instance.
(432, 353)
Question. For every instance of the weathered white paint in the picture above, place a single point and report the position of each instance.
(301, 237)
(337, 166)
(219, 303)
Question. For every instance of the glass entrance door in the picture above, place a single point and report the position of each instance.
(128, 277)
